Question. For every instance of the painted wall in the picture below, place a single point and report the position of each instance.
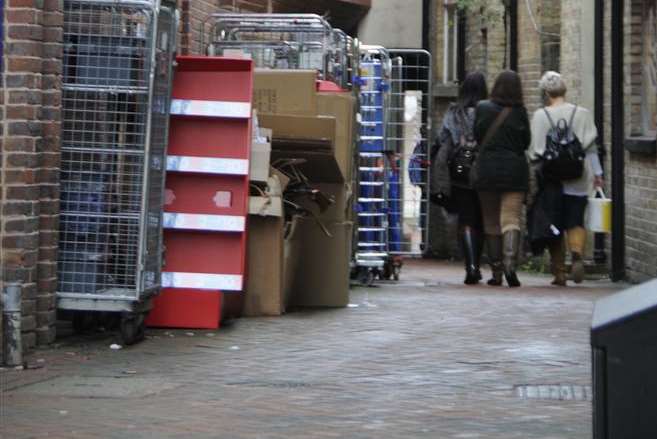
(393, 24)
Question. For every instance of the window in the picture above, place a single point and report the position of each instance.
(450, 41)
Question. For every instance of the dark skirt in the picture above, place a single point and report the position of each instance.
(574, 208)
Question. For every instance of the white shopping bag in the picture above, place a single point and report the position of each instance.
(598, 215)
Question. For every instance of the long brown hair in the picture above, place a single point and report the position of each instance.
(507, 90)
(473, 90)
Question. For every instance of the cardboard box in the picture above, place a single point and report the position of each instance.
(259, 163)
(286, 126)
(310, 138)
(285, 91)
(322, 276)
(266, 206)
(265, 293)
(291, 256)
(342, 106)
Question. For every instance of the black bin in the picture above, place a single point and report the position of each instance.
(624, 350)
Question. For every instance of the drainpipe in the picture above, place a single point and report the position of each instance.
(617, 142)
(513, 37)
(599, 253)
(12, 347)
(426, 25)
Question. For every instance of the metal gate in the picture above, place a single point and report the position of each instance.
(407, 170)
(118, 60)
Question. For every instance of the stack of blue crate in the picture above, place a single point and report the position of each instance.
(372, 200)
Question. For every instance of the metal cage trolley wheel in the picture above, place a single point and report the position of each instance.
(116, 90)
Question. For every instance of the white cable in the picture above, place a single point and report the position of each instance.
(531, 16)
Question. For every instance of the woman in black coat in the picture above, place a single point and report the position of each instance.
(501, 175)
(449, 182)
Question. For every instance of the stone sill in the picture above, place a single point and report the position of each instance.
(641, 145)
(450, 91)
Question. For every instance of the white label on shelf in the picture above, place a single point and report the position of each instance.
(188, 107)
(207, 165)
(202, 281)
(214, 223)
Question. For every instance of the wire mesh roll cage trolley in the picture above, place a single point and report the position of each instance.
(407, 164)
(116, 89)
(371, 252)
(310, 40)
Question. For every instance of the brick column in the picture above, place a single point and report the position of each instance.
(529, 54)
(30, 158)
(48, 172)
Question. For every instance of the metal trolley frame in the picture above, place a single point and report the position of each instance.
(407, 167)
(118, 59)
(371, 207)
(309, 34)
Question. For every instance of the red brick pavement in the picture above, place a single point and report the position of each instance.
(425, 358)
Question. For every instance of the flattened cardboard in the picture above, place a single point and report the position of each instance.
(285, 91)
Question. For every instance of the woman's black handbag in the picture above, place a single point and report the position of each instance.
(464, 154)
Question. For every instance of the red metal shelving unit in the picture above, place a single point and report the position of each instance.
(207, 189)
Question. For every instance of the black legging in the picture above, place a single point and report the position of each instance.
(468, 208)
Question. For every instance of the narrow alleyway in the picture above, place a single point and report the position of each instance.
(425, 358)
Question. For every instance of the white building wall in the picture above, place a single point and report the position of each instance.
(393, 24)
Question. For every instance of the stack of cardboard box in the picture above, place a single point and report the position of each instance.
(312, 253)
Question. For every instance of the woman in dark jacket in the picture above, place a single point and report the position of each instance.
(501, 176)
(457, 129)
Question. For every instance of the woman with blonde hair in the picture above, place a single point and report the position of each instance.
(564, 129)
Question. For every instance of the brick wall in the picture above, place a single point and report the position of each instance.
(30, 158)
(486, 49)
(571, 41)
(640, 170)
(530, 65)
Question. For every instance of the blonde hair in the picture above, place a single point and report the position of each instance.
(553, 84)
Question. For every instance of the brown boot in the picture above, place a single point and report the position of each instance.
(558, 259)
(494, 250)
(511, 251)
(576, 242)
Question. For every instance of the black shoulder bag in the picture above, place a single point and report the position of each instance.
(464, 155)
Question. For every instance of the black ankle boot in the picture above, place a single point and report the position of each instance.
(511, 249)
(494, 250)
(470, 246)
